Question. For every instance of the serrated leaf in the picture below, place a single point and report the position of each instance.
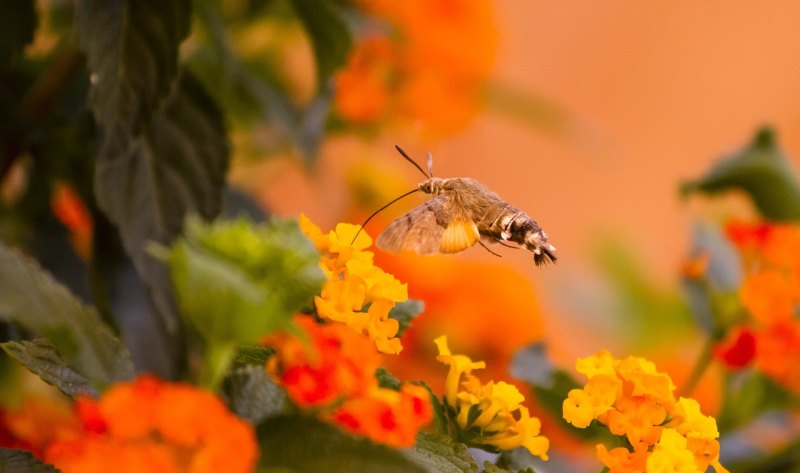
(252, 395)
(176, 167)
(30, 298)
(40, 357)
(17, 25)
(761, 170)
(330, 37)
(23, 461)
(131, 48)
(386, 380)
(406, 311)
(440, 454)
(306, 444)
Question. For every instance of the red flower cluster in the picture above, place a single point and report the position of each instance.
(771, 294)
(333, 369)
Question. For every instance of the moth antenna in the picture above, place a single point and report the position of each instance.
(381, 209)
(408, 158)
(430, 164)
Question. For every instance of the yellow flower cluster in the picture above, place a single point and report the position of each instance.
(634, 400)
(485, 413)
(357, 293)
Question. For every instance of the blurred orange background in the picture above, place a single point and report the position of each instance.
(653, 93)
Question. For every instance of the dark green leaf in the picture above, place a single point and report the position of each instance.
(386, 380)
(17, 24)
(40, 357)
(305, 444)
(329, 36)
(492, 468)
(253, 355)
(30, 298)
(132, 52)
(176, 167)
(252, 395)
(405, 312)
(236, 282)
(439, 453)
(23, 461)
(762, 171)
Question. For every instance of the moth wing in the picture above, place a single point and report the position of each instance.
(428, 229)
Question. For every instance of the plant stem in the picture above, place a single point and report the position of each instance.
(700, 366)
(218, 358)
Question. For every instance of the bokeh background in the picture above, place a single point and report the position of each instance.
(622, 102)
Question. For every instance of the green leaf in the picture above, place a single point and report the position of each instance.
(252, 395)
(386, 380)
(439, 453)
(761, 170)
(40, 357)
(253, 355)
(30, 298)
(306, 444)
(237, 282)
(330, 37)
(23, 461)
(492, 468)
(406, 311)
(747, 395)
(132, 52)
(17, 24)
(176, 167)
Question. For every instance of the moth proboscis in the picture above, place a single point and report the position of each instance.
(460, 213)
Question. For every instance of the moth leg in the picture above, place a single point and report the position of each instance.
(500, 242)
(490, 251)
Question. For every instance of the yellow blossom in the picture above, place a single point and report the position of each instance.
(355, 284)
(671, 455)
(490, 414)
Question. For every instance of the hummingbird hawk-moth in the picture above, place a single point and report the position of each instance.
(461, 213)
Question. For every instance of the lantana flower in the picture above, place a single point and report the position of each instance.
(358, 293)
(770, 292)
(152, 425)
(637, 402)
(487, 415)
(332, 371)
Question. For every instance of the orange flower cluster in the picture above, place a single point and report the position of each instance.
(635, 401)
(22, 427)
(430, 72)
(334, 370)
(489, 414)
(150, 425)
(771, 294)
(355, 283)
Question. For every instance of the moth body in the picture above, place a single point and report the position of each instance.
(460, 213)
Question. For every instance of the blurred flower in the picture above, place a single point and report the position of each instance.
(634, 400)
(771, 294)
(333, 371)
(358, 293)
(487, 415)
(151, 425)
(428, 67)
(69, 209)
(23, 427)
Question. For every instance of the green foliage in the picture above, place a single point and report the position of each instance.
(252, 395)
(439, 453)
(30, 298)
(329, 35)
(40, 357)
(406, 311)
(761, 170)
(22, 461)
(305, 444)
(236, 282)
